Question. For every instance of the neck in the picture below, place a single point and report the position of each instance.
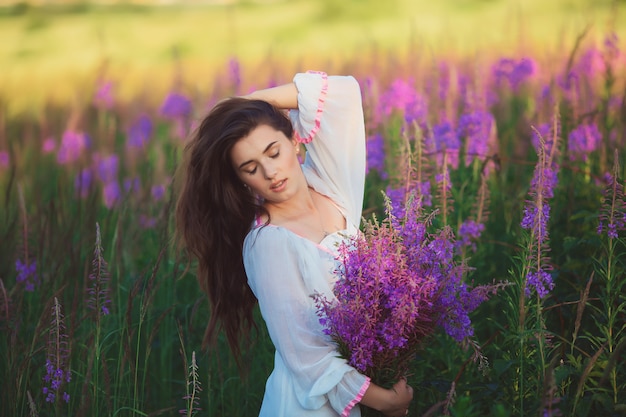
(293, 208)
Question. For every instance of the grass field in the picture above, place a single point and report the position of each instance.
(50, 54)
(507, 119)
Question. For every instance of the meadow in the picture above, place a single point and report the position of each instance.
(518, 148)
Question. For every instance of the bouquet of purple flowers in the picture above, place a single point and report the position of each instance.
(398, 283)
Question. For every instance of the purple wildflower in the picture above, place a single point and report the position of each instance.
(477, 128)
(72, 146)
(611, 46)
(583, 140)
(545, 132)
(398, 197)
(107, 167)
(513, 72)
(376, 155)
(536, 217)
(176, 106)
(147, 222)
(397, 200)
(444, 190)
(4, 159)
(82, 182)
(48, 145)
(132, 185)
(158, 192)
(57, 353)
(391, 302)
(111, 194)
(446, 141)
(99, 298)
(444, 81)
(612, 217)
(540, 281)
(27, 274)
(590, 63)
(569, 83)
(139, 132)
(537, 209)
(397, 282)
(469, 232)
(104, 95)
(402, 96)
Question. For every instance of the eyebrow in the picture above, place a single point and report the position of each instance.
(267, 148)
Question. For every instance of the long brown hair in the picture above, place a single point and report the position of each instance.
(215, 211)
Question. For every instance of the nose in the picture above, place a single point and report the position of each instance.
(270, 171)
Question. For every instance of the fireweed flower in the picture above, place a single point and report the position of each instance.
(397, 282)
(82, 182)
(132, 185)
(158, 192)
(99, 300)
(446, 141)
(376, 155)
(176, 106)
(104, 95)
(139, 132)
(146, 222)
(612, 217)
(444, 80)
(57, 353)
(513, 72)
(4, 159)
(107, 167)
(402, 96)
(469, 232)
(545, 132)
(48, 145)
(72, 146)
(111, 194)
(26, 274)
(590, 63)
(536, 217)
(583, 140)
(611, 46)
(398, 197)
(476, 127)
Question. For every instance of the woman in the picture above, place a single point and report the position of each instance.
(264, 227)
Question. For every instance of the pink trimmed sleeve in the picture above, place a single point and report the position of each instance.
(319, 111)
(329, 120)
(357, 399)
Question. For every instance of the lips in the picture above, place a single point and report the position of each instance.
(278, 185)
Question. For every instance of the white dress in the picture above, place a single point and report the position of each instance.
(284, 269)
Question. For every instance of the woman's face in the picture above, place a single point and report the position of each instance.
(267, 162)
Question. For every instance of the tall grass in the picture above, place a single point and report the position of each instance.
(99, 309)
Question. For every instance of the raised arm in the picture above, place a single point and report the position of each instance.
(283, 96)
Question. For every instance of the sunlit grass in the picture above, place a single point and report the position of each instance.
(50, 56)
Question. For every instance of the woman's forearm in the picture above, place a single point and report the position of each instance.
(391, 402)
(283, 96)
(376, 397)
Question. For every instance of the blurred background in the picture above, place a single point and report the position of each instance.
(54, 51)
(479, 106)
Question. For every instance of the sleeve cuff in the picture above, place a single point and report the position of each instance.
(357, 399)
(309, 128)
